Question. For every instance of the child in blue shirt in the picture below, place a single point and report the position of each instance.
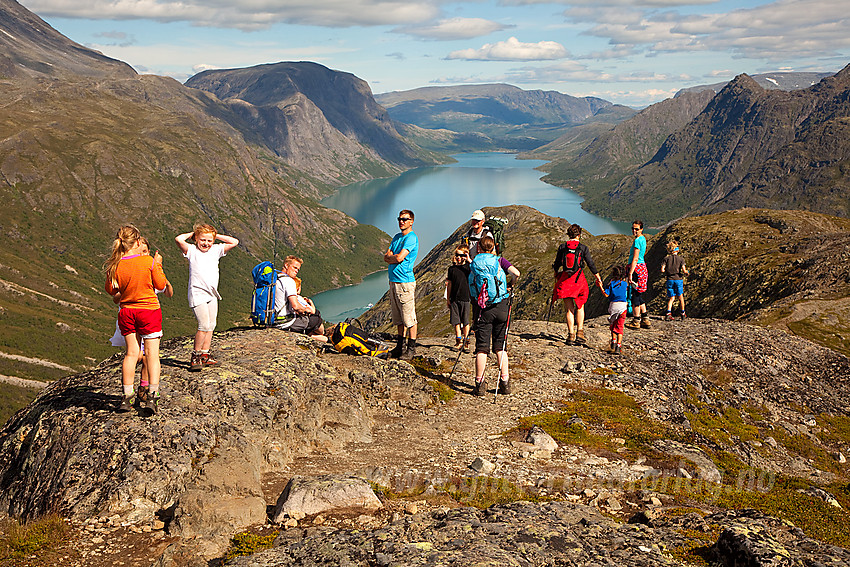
(616, 294)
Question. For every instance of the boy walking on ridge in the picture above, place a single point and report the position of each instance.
(674, 268)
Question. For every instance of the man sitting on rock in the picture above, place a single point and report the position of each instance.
(295, 312)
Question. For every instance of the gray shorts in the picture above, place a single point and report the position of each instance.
(459, 313)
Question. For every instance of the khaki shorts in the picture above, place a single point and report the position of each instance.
(402, 303)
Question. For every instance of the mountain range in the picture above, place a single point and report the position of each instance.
(700, 152)
(501, 116)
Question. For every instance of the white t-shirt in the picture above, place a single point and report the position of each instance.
(284, 288)
(203, 273)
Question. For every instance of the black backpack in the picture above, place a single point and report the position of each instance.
(568, 257)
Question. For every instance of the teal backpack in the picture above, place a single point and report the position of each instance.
(487, 280)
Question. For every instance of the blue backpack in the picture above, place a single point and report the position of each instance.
(487, 280)
(262, 303)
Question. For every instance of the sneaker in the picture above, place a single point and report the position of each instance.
(504, 387)
(668, 317)
(618, 349)
(208, 360)
(196, 363)
(633, 324)
(144, 393)
(480, 388)
(127, 403)
(580, 340)
(683, 317)
(645, 324)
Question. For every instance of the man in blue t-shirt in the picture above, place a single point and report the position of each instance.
(401, 255)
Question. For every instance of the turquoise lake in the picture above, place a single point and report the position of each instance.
(443, 198)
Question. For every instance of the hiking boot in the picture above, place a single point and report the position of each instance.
(411, 349)
(465, 346)
(571, 340)
(682, 317)
(127, 403)
(668, 317)
(152, 406)
(633, 324)
(505, 387)
(644, 323)
(617, 349)
(580, 340)
(208, 360)
(458, 341)
(195, 364)
(144, 394)
(480, 388)
(398, 350)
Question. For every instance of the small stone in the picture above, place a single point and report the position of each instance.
(614, 504)
(319, 520)
(840, 457)
(482, 466)
(683, 473)
(770, 441)
(290, 523)
(158, 524)
(588, 493)
(655, 501)
(411, 508)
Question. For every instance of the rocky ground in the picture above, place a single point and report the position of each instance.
(689, 403)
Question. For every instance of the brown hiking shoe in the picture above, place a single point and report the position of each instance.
(505, 387)
(208, 360)
(144, 393)
(633, 324)
(644, 323)
(580, 340)
(196, 363)
(128, 402)
(480, 388)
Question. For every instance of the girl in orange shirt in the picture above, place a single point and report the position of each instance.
(136, 277)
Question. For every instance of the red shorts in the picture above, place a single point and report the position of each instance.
(146, 323)
(642, 277)
(572, 286)
(618, 325)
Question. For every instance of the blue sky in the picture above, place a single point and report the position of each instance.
(626, 51)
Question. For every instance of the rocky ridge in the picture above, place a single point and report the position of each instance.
(226, 441)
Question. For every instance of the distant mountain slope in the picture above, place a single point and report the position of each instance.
(782, 149)
(512, 117)
(615, 153)
(321, 121)
(786, 81)
(29, 47)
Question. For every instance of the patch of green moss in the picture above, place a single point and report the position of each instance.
(20, 541)
(721, 425)
(247, 543)
(483, 492)
(610, 410)
(444, 393)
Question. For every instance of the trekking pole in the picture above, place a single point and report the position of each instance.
(549, 311)
(507, 326)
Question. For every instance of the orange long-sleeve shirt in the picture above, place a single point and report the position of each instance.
(137, 277)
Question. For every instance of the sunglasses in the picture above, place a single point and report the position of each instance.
(635, 229)
(461, 255)
(403, 219)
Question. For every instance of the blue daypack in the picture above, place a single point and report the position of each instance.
(487, 280)
(262, 303)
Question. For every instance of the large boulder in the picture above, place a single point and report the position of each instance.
(198, 463)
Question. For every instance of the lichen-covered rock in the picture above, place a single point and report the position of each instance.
(328, 493)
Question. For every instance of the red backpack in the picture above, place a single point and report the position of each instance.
(570, 255)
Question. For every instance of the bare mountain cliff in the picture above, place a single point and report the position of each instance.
(318, 120)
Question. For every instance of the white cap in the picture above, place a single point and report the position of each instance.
(478, 215)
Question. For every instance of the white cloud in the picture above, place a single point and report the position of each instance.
(572, 71)
(246, 14)
(512, 50)
(454, 28)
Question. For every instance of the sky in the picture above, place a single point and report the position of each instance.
(631, 52)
